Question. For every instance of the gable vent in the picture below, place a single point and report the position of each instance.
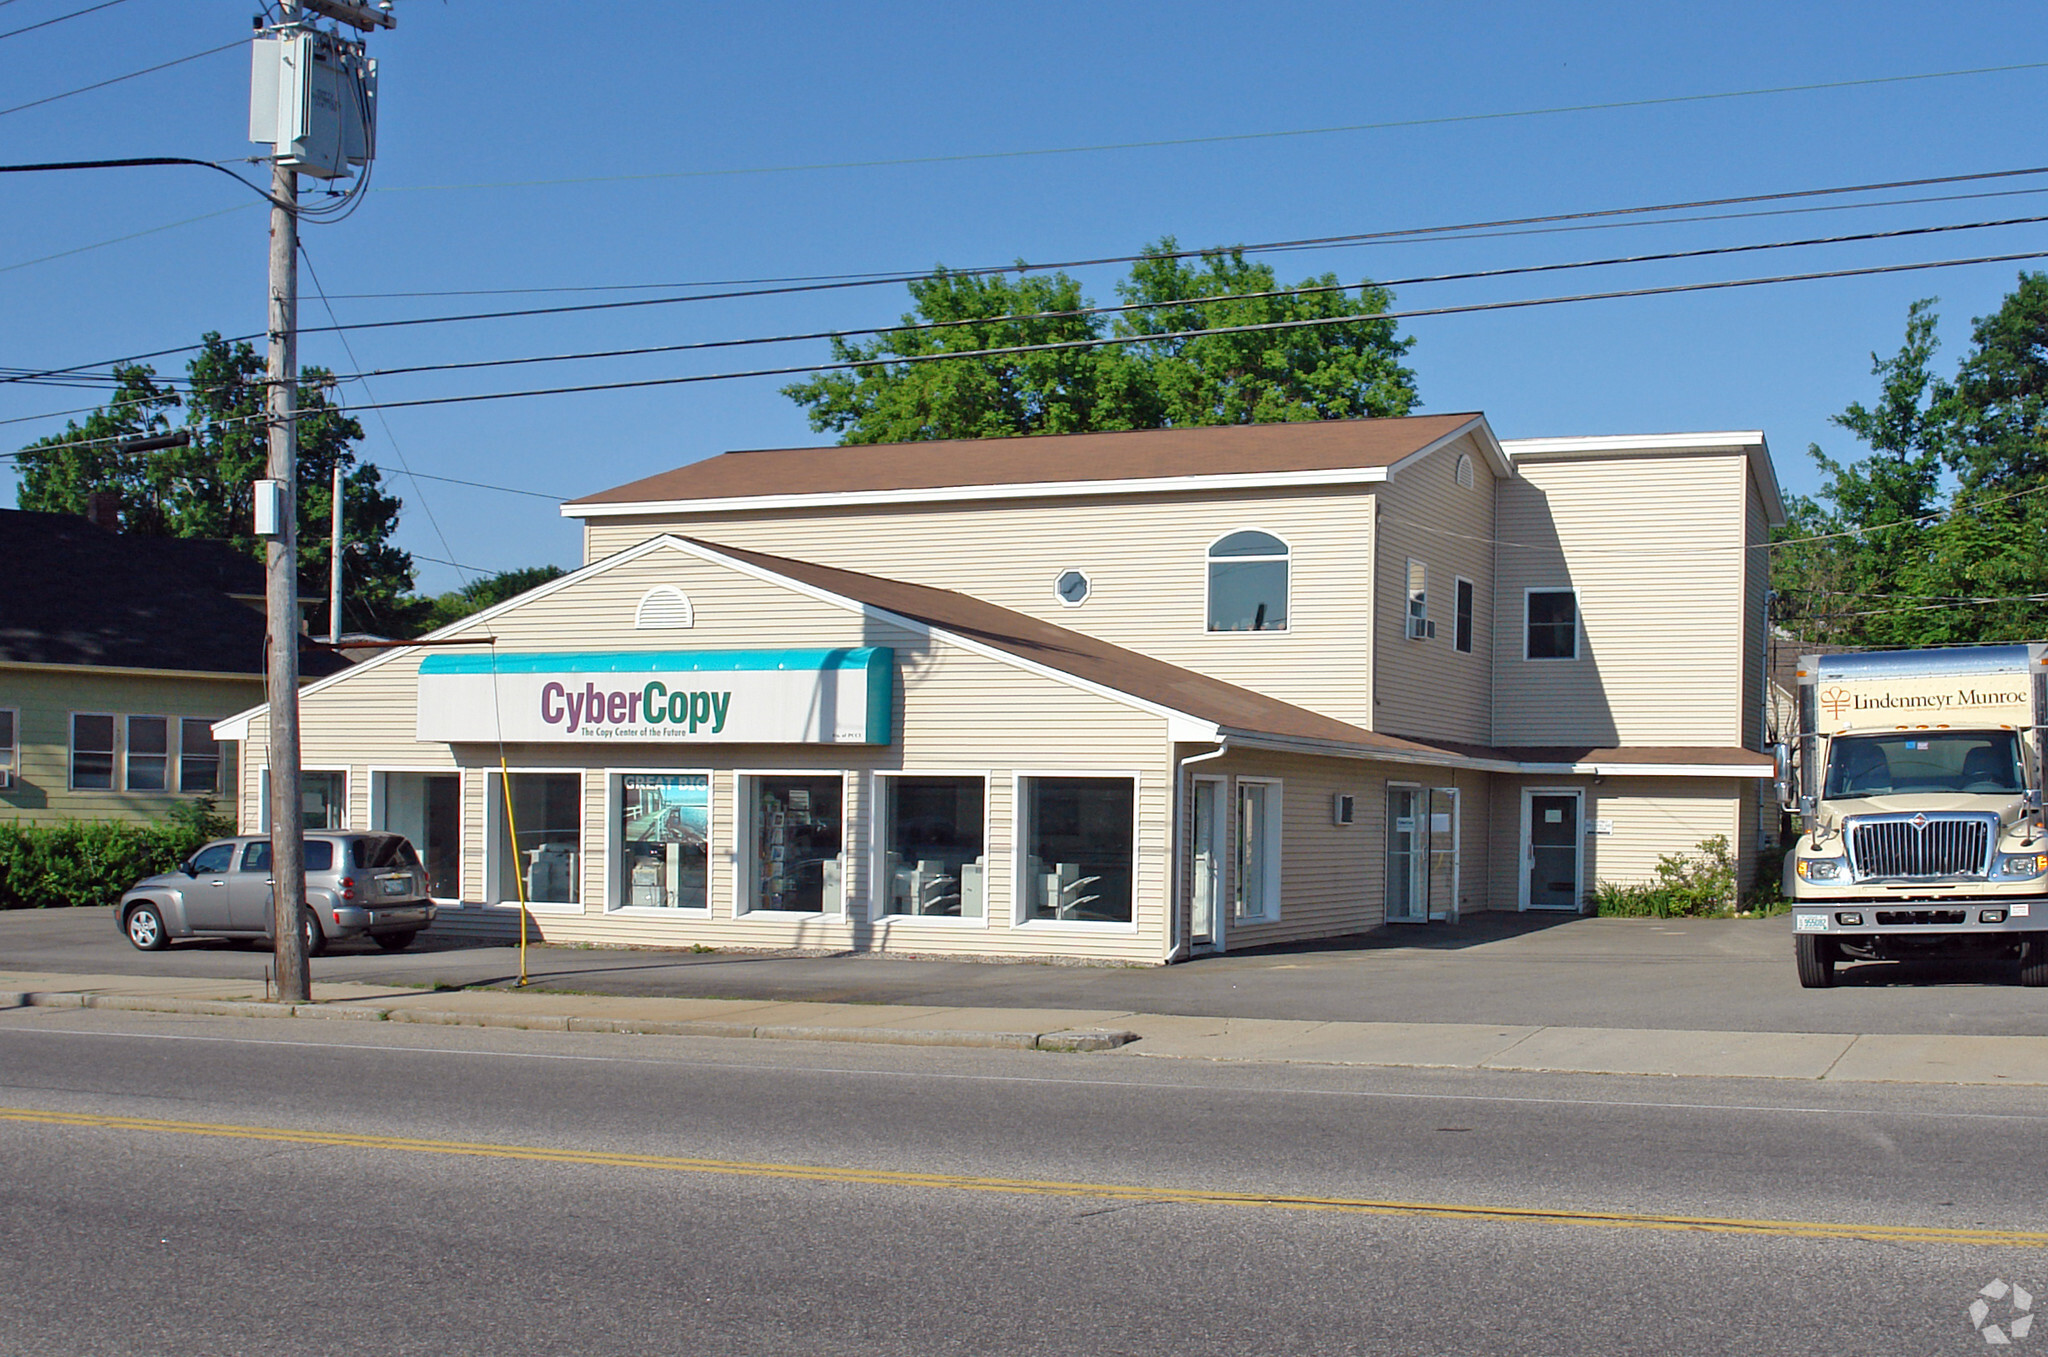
(664, 607)
(1464, 470)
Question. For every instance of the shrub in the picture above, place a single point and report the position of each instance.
(1687, 886)
(90, 862)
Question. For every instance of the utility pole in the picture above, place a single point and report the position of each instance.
(281, 586)
(312, 96)
(334, 565)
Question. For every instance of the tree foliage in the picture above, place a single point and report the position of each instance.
(1161, 377)
(1939, 535)
(430, 614)
(204, 489)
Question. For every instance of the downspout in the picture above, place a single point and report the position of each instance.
(1177, 947)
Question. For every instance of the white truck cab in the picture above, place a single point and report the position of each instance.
(1917, 779)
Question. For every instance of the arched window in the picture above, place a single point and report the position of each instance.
(664, 607)
(1248, 583)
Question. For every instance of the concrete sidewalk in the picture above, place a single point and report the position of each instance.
(1951, 1059)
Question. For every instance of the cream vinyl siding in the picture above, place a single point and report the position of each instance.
(1756, 563)
(1427, 687)
(1652, 816)
(45, 699)
(1146, 559)
(965, 714)
(1653, 545)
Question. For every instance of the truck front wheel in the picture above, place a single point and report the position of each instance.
(1816, 958)
(2034, 961)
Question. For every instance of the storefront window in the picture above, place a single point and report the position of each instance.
(323, 799)
(547, 809)
(665, 840)
(933, 857)
(797, 829)
(427, 809)
(1077, 837)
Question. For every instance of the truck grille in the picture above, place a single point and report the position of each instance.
(1946, 918)
(1936, 846)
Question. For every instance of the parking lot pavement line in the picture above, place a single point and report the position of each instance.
(817, 1173)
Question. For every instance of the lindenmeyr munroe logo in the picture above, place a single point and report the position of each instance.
(2018, 1320)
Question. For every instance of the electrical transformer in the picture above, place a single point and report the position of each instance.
(313, 97)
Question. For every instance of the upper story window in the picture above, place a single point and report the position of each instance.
(1463, 639)
(1420, 628)
(1072, 588)
(1248, 583)
(1552, 624)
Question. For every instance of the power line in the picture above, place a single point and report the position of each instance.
(122, 240)
(100, 85)
(872, 280)
(1316, 322)
(74, 14)
(1118, 309)
(1163, 143)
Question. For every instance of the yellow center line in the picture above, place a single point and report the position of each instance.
(954, 1182)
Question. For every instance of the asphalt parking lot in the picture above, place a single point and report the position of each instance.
(1702, 975)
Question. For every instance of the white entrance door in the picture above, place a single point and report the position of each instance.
(1553, 849)
(1208, 864)
(1407, 857)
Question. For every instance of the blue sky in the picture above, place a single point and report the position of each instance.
(611, 144)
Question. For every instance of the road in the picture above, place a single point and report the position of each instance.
(1682, 974)
(247, 1186)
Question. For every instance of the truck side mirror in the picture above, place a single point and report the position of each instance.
(1781, 760)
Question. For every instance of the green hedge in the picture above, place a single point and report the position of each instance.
(90, 862)
(1686, 886)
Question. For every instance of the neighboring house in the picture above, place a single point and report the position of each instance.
(117, 654)
(1121, 696)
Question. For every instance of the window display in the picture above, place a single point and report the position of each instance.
(665, 839)
(797, 841)
(932, 846)
(1077, 837)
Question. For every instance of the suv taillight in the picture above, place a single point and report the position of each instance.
(348, 888)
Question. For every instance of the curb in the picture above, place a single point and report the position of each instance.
(1066, 1039)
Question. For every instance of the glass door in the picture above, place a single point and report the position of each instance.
(1551, 851)
(1407, 857)
(1208, 864)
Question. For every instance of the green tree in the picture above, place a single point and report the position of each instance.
(1340, 370)
(433, 613)
(204, 489)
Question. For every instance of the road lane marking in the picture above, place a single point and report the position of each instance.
(953, 1182)
(1159, 1086)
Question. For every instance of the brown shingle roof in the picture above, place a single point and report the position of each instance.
(1235, 449)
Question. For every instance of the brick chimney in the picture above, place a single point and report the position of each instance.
(103, 510)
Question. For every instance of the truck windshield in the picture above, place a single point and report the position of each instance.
(1924, 761)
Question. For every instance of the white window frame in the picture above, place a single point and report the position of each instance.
(177, 772)
(1087, 588)
(263, 795)
(1285, 558)
(615, 845)
(1459, 586)
(494, 820)
(1416, 606)
(1219, 903)
(1578, 624)
(114, 768)
(1019, 894)
(878, 893)
(10, 753)
(743, 907)
(1276, 802)
(375, 795)
(170, 754)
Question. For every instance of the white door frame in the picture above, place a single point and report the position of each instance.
(1526, 857)
(1219, 828)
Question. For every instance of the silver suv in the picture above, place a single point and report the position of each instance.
(356, 884)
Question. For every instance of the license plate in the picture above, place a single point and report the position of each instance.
(395, 885)
(1811, 923)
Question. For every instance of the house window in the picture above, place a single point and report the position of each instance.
(92, 753)
(198, 758)
(1258, 850)
(798, 829)
(665, 840)
(539, 837)
(1248, 583)
(1078, 835)
(1552, 624)
(1420, 628)
(934, 849)
(1464, 637)
(1071, 588)
(323, 799)
(149, 754)
(10, 756)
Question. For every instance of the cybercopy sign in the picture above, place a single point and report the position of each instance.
(670, 697)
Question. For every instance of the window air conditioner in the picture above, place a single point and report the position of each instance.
(1421, 629)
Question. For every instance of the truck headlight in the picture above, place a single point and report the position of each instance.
(2023, 864)
(1819, 869)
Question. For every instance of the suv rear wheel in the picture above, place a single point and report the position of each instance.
(309, 928)
(397, 942)
(1816, 957)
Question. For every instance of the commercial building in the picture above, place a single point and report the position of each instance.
(1117, 696)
